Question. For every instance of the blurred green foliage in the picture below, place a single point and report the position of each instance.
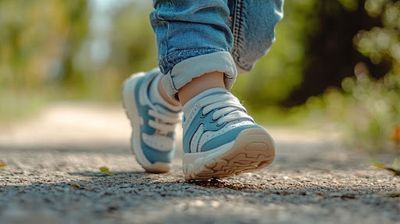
(368, 109)
(54, 50)
(72, 49)
(373, 106)
(382, 43)
(36, 39)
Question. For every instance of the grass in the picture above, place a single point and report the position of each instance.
(367, 112)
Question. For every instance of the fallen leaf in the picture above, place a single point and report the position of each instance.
(75, 186)
(105, 170)
(2, 164)
(396, 134)
(378, 165)
(393, 194)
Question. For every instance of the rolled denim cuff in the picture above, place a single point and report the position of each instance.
(183, 72)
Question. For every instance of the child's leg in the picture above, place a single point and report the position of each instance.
(194, 40)
(251, 25)
(200, 84)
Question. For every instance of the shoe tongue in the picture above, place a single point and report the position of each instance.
(201, 95)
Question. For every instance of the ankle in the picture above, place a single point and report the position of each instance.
(200, 84)
(166, 97)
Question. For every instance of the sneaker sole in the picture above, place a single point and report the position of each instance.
(253, 150)
(129, 104)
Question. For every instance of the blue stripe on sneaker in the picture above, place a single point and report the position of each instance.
(154, 155)
(143, 111)
(226, 137)
(209, 125)
(151, 154)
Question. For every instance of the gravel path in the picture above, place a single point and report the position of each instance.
(52, 176)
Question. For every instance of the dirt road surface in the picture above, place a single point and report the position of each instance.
(52, 176)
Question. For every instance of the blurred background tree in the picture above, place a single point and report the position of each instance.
(371, 100)
(39, 44)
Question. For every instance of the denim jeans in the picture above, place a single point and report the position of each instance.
(195, 37)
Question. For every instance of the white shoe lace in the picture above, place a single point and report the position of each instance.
(162, 122)
(230, 108)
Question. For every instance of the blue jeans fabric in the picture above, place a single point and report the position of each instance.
(195, 37)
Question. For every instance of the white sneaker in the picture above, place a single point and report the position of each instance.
(220, 139)
(153, 125)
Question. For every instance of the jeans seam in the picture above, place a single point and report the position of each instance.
(238, 23)
(235, 27)
(166, 45)
(164, 57)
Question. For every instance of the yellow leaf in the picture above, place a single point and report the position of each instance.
(378, 165)
(105, 170)
(75, 185)
(393, 194)
(2, 164)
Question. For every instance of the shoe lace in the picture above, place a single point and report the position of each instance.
(227, 108)
(163, 123)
